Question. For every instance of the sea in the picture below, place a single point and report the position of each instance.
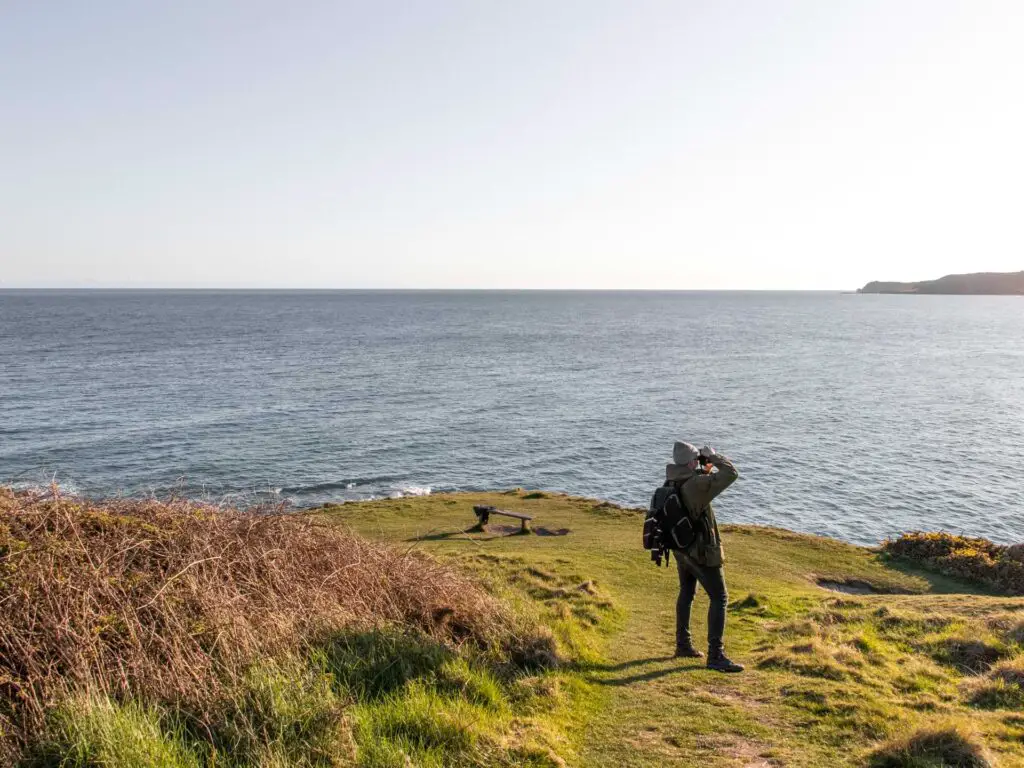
(853, 416)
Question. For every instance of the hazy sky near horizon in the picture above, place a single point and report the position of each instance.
(554, 144)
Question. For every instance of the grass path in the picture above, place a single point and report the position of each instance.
(829, 676)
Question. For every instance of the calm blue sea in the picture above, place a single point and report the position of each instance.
(847, 415)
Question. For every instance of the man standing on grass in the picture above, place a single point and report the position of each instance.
(699, 476)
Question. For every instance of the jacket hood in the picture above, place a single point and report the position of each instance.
(677, 472)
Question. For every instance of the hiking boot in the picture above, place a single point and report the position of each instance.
(688, 652)
(721, 663)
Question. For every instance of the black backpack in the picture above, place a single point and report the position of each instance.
(668, 524)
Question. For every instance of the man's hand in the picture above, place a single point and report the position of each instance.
(714, 482)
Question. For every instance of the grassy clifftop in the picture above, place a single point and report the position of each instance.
(917, 664)
(384, 634)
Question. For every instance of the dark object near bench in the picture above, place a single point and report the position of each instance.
(483, 515)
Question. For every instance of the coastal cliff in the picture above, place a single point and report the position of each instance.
(394, 633)
(979, 283)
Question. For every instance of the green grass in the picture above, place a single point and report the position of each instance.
(95, 732)
(832, 679)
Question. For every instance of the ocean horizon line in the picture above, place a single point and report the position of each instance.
(164, 289)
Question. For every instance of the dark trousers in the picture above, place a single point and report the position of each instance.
(713, 581)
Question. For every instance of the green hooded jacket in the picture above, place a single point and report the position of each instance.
(698, 489)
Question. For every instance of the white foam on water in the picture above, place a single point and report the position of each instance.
(66, 488)
(414, 490)
(410, 490)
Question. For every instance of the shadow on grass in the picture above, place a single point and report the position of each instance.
(500, 533)
(654, 674)
(445, 536)
(626, 664)
(595, 671)
(938, 583)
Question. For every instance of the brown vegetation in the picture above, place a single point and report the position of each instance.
(979, 560)
(173, 601)
(942, 746)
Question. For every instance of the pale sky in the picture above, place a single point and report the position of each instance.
(514, 144)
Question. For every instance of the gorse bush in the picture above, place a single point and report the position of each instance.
(213, 615)
(978, 560)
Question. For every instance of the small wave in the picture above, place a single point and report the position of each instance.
(410, 490)
(334, 485)
(314, 488)
(271, 491)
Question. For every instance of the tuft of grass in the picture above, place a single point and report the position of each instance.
(280, 714)
(1009, 671)
(814, 658)
(933, 747)
(1001, 688)
(372, 664)
(908, 624)
(536, 651)
(751, 602)
(416, 723)
(421, 703)
(997, 694)
(1009, 626)
(972, 655)
(424, 726)
(868, 643)
(92, 731)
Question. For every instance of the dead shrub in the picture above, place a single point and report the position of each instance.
(174, 601)
(949, 746)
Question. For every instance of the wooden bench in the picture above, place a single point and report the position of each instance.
(483, 515)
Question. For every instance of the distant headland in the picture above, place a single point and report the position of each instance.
(979, 283)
